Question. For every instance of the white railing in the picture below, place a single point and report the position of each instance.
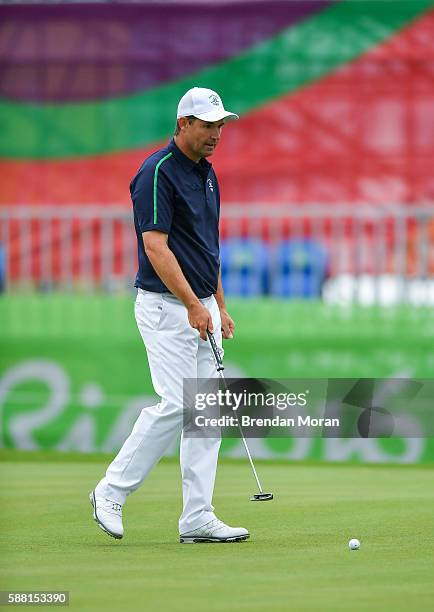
(370, 250)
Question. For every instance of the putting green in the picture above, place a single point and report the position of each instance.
(296, 559)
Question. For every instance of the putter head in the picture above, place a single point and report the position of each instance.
(261, 497)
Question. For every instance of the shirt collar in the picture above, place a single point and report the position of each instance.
(187, 163)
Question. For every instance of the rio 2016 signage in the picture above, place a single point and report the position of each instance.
(41, 407)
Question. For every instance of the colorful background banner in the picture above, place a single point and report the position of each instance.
(88, 91)
(335, 99)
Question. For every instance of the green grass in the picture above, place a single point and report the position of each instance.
(297, 557)
(93, 315)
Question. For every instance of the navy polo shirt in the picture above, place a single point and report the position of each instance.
(175, 195)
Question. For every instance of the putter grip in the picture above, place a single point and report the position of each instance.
(215, 349)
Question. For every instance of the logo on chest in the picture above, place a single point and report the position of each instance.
(210, 185)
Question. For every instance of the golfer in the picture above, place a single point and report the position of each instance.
(176, 203)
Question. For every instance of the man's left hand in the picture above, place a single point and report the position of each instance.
(228, 326)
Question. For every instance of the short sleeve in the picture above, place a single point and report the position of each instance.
(152, 197)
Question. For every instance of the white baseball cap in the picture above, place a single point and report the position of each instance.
(204, 104)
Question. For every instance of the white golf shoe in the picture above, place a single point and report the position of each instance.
(214, 531)
(108, 515)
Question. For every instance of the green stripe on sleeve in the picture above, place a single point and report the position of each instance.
(157, 167)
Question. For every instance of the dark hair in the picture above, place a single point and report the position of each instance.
(190, 118)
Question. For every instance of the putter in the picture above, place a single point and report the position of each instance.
(261, 496)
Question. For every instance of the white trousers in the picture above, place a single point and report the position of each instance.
(175, 351)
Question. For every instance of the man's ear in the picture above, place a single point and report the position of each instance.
(183, 123)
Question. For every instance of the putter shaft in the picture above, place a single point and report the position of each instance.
(220, 368)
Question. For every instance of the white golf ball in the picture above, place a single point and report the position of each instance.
(354, 544)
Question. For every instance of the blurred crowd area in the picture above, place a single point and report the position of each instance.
(326, 179)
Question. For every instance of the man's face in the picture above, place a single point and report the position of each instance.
(201, 137)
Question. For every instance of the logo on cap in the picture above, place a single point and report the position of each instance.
(214, 100)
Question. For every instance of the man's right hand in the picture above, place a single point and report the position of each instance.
(200, 318)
